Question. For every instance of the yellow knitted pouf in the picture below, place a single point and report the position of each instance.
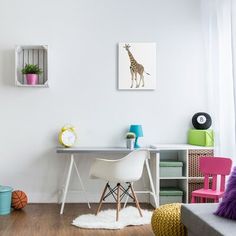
(166, 221)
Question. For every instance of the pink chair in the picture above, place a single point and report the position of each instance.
(211, 167)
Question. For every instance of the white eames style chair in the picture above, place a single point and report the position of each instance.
(122, 171)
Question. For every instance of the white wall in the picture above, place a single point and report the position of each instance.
(82, 36)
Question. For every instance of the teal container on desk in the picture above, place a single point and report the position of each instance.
(5, 200)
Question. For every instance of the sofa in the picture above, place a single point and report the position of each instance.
(200, 221)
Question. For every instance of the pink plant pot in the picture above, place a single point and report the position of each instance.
(32, 79)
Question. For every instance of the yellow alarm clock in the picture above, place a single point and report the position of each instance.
(67, 136)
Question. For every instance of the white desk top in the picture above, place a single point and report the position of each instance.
(172, 146)
(96, 149)
(153, 148)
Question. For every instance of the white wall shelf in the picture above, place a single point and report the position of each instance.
(31, 54)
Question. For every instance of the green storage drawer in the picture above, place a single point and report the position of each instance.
(170, 191)
(171, 168)
(170, 195)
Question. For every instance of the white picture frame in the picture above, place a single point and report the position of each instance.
(137, 66)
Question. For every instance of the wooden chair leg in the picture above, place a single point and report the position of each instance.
(136, 200)
(118, 202)
(101, 199)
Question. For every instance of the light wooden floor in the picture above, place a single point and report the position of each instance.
(44, 219)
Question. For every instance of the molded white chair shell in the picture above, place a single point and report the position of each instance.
(126, 169)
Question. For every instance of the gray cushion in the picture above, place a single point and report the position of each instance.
(199, 220)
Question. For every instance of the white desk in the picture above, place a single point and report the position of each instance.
(79, 150)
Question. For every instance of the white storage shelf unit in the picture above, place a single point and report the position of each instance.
(178, 182)
(34, 54)
(191, 177)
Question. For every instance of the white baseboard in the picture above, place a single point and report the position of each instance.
(76, 197)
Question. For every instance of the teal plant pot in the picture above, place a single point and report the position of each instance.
(5, 200)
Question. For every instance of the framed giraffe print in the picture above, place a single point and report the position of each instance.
(137, 66)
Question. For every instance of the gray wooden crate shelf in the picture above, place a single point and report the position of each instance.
(33, 54)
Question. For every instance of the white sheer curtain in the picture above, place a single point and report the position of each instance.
(218, 23)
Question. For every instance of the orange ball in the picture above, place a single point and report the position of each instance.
(19, 199)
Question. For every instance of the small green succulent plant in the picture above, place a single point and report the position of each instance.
(31, 69)
(130, 135)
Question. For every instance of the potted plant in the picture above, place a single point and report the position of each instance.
(130, 139)
(31, 73)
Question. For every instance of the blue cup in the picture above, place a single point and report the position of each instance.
(5, 200)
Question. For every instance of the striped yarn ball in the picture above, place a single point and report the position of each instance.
(19, 199)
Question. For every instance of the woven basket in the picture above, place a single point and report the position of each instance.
(194, 184)
(193, 157)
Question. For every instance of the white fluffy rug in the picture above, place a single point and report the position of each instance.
(107, 219)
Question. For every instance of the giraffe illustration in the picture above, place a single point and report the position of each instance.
(135, 69)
